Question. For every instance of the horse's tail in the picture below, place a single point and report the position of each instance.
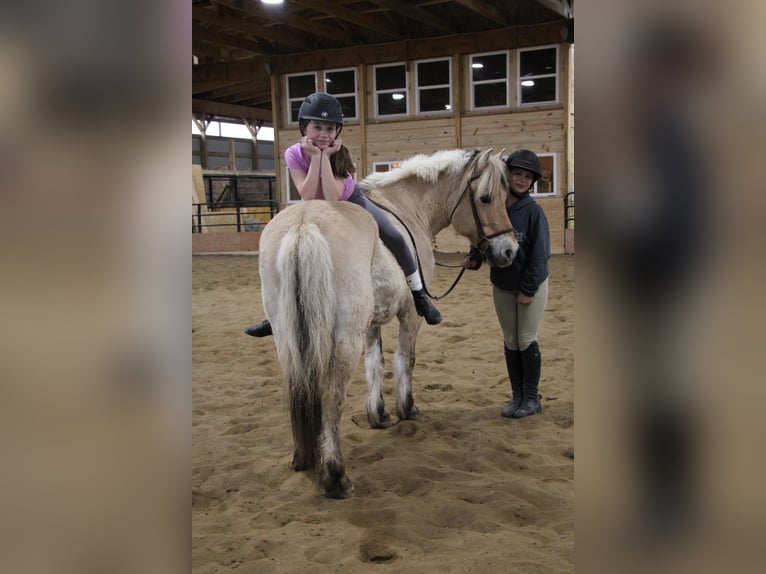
(305, 330)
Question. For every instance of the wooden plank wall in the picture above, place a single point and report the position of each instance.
(545, 129)
(541, 131)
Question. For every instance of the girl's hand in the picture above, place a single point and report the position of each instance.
(308, 145)
(334, 147)
(524, 299)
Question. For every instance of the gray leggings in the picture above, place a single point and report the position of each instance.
(388, 233)
(519, 322)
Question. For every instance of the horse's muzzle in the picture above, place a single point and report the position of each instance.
(501, 251)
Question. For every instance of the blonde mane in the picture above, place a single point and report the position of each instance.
(424, 167)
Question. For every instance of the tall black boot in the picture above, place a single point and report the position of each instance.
(530, 358)
(516, 376)
(262, 329)
(425, 308)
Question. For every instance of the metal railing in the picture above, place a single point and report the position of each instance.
(244, 214)
(569, 211)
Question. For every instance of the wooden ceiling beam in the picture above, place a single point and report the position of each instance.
(501, 39)
(237, 88)
(484, 9)
(413, 12)
(260, 67)
(560, 7)
(200, 106)
(360, 19)
(312, 28)
(207, 35)
(253, 69)
(203, 49)
(249, 27)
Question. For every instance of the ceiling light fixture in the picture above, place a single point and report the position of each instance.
(272, 1)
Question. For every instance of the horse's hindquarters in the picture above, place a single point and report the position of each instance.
(319, 300)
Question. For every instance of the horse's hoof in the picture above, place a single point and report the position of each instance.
(341, 489)
(381, 421)
(412, 413)
(298, 463)
(334, 481)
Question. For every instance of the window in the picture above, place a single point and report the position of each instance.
(489, 80)
(298, 87)
(391, 90)
(434, 85)
(342, 85)
(383, 166)
(538, 75)
(546, 185)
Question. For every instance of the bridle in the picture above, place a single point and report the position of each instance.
(483, 238)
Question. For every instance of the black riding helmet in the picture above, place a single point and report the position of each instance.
(322, 107)
(525, 159)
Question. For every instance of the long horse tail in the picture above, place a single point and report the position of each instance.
(305, 325)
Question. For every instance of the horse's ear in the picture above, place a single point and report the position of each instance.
(499, 154)
(483, 159)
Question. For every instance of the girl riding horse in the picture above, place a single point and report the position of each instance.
(321, 167)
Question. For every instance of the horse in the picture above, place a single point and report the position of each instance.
(328, 284)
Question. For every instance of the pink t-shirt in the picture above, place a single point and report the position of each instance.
(297, 158)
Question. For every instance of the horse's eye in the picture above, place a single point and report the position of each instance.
(486, 199)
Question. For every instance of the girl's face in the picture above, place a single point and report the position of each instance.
(323, 134)
(521, 180)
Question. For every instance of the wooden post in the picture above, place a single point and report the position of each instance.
(457, 98)
(202, 121)
(254, 128)
(362, 111)
(276, 106)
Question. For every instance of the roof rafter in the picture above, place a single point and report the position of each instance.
(409, 10)
(484, 9)
(249, 27)
(332, 8)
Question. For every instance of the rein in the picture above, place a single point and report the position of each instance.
(483, 239)
(417, 256)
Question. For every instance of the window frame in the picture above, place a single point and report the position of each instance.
(289, 100)
(472, 84)
(418, 87)
(556, 74)
(376, 92)
(391, 165)
(355, 93)
(554, 176)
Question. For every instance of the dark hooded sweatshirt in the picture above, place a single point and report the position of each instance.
(530, 267)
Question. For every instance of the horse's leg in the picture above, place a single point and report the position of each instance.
(332, 469)
(373, 364)
(404, 362)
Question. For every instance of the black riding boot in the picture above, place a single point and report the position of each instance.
(425, 308)
(530, 358)
(516, 376)
(262, 329)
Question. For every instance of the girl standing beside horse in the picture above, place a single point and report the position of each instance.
(520, 291)
(321, 168)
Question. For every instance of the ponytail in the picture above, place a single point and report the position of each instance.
(341, 163)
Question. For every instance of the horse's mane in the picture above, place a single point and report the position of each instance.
(424, 167)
